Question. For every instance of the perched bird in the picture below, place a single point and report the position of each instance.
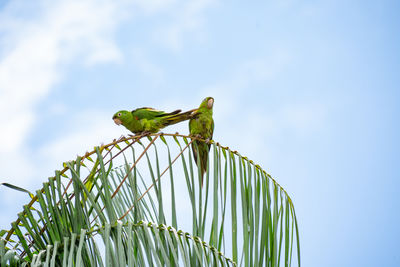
(148, 120)
(202, 125)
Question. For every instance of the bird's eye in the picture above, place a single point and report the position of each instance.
(119, 114)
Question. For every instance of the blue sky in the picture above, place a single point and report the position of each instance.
(307, 89)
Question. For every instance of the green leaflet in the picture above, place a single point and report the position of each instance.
(245, 216)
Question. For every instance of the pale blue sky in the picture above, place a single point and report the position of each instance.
(307, 89)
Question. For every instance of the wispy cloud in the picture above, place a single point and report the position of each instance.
(90, 129)
(237, 85)
(188, 18)
(259, 125)
(155, 74)
(153, 6)
(37, 48)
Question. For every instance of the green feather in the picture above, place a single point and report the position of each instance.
(149, 120)
(202, 124)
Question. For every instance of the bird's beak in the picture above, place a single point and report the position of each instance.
(117, 121)
(210, 102)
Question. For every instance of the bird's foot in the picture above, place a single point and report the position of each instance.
(208, 141)
(197, 136)
(145, 133)
(121, 137)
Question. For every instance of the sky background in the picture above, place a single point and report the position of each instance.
(307, 89)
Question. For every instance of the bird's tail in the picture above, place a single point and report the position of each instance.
(174, 117)
(201, 158)
(171, 113)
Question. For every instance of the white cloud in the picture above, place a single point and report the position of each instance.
(19, 167)
(141, 59)
(237, 120)
(292, 119)
(89, 129)
(187, 18)
(29, 169)
(36, 49)
(230, 92)
(35, 44)
(262, 129)
(152, 6)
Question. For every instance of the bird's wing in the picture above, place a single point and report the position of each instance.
(146, 113)
(151, 113)
(163, 114)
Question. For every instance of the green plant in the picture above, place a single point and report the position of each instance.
(122, 204)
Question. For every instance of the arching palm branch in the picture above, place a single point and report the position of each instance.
(123, 203)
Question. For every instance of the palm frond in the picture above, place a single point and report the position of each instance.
(141, 244)
(240, 211)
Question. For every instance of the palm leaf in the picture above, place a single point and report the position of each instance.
(241, 211)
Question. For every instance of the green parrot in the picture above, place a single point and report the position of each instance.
(202, 125)
(148, 120)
